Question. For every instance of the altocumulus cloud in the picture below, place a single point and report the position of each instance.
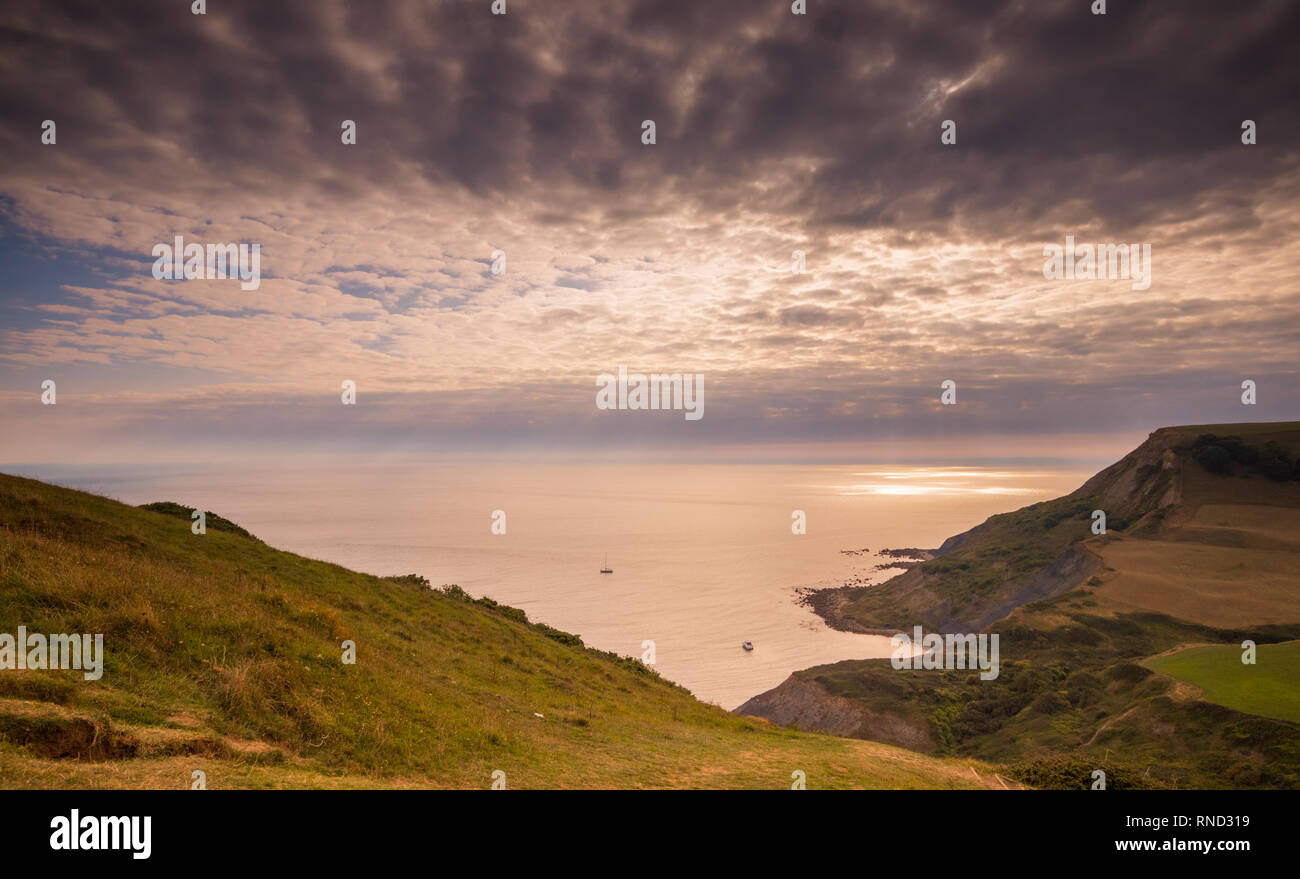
(521, 133)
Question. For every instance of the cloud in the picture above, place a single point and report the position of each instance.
(775, 133)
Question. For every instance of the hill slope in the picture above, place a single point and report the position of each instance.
(1202, 548)
(224, 655)
(1159, 492)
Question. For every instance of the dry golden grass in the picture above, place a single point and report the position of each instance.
(1246, 525)
(1217, 586)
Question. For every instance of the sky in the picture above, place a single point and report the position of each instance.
(523, 133)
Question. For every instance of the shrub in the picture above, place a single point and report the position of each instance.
(210, 519)
(557, 635)
(1215, 459)
(1049, 703)
(1128, 672)
(1084, 689)
(410, 580)
(505, 610)
(1275, 462)
(1070, 774)
(451, 590)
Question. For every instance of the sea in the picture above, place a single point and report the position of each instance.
(705, 556)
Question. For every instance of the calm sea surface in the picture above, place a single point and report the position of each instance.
(703, 555)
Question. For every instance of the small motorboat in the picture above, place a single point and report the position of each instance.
(748, 645)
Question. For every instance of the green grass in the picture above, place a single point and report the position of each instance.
(1073, 694)
(994, 561)
(1269, 688)
(224, 655)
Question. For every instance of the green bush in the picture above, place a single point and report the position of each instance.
(1067, 774)
(505, 610)
(1215, 459)
(1128, 672)
(409, 580)
(1275, 462)
(210, 519)
(1049, 702)
(557, 635)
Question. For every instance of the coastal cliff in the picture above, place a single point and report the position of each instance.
(1201, 547)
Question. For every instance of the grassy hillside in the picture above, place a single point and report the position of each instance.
(1203, 548)
(1046, 549)
(224, 655)
(1074, 695)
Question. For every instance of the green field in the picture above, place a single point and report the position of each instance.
(1269, 688)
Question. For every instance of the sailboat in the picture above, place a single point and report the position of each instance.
(607, 569)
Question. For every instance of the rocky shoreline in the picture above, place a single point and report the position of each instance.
(827, 602)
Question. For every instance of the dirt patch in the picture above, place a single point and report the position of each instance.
(55, 732)
(807, 706)
(51, 731)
